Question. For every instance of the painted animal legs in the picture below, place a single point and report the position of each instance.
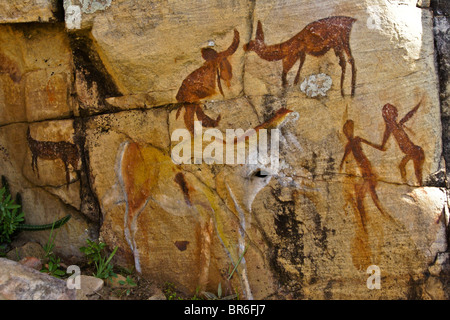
(351, 60)
(288, 63)
(418, 164)
(343, 64)
(34, 164)
(302, 61)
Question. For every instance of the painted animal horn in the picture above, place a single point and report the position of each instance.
(259, 32)
(233, 47)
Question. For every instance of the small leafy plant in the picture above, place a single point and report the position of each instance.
(95, 253)
(212, 296)
(10, 216)
(129, 282)
(53, 264)
(170, 292)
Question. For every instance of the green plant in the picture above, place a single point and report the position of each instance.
(218, 296)
(12, 218)
(53, 264)
(129, 282)
(170, 292)
(212, 296)
(197, 295)
(95, 253)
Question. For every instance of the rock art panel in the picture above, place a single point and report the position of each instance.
(16, 11)
(49, 197)
(209, 214)
(124, 122)
(156, 63)
(50, 150)
(38, 62)
(316, 39)
(202, 82)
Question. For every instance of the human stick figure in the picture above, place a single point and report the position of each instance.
(411, 151)
(354, 146)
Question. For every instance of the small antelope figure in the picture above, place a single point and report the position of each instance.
(316, 39)
(49, 150)
(201, 83)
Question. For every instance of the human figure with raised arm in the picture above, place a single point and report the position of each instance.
(411, 151)
(354, 146)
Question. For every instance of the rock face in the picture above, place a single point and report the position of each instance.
(18, 282)
(15, 11)
(93, 125)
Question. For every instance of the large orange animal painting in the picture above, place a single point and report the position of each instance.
(202, 83)
(153, 187)
(316, 39)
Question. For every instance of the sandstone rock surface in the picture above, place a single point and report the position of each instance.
(18, 11)
(89, 126)
(18, 282)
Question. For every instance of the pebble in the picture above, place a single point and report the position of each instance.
(31, 262)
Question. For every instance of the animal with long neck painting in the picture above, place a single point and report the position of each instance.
(316, 39)
(152, 186)
(50, 150)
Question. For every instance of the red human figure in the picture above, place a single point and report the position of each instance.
(396, 128)
(354, 146)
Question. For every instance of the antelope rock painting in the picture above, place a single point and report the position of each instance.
(156, 191)
(202, 82)
(316, 39)
(50, 150)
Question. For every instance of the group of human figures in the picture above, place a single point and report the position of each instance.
(354, 146)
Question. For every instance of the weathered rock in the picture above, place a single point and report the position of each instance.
(116, 282)
(148, 68)
(30, 249)
(15, 11)
(89, 285)
(158, 295)
(36, 73)
(441, 29)
(314, 226)
(31, 262)
(46, 198)
(352, 86)
(18, 282)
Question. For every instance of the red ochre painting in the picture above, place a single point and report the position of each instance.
(316, 39)
(202, 82)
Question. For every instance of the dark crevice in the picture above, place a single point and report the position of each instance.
(91, 71)
(441, 10)
(58, 13)
(90, 206)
